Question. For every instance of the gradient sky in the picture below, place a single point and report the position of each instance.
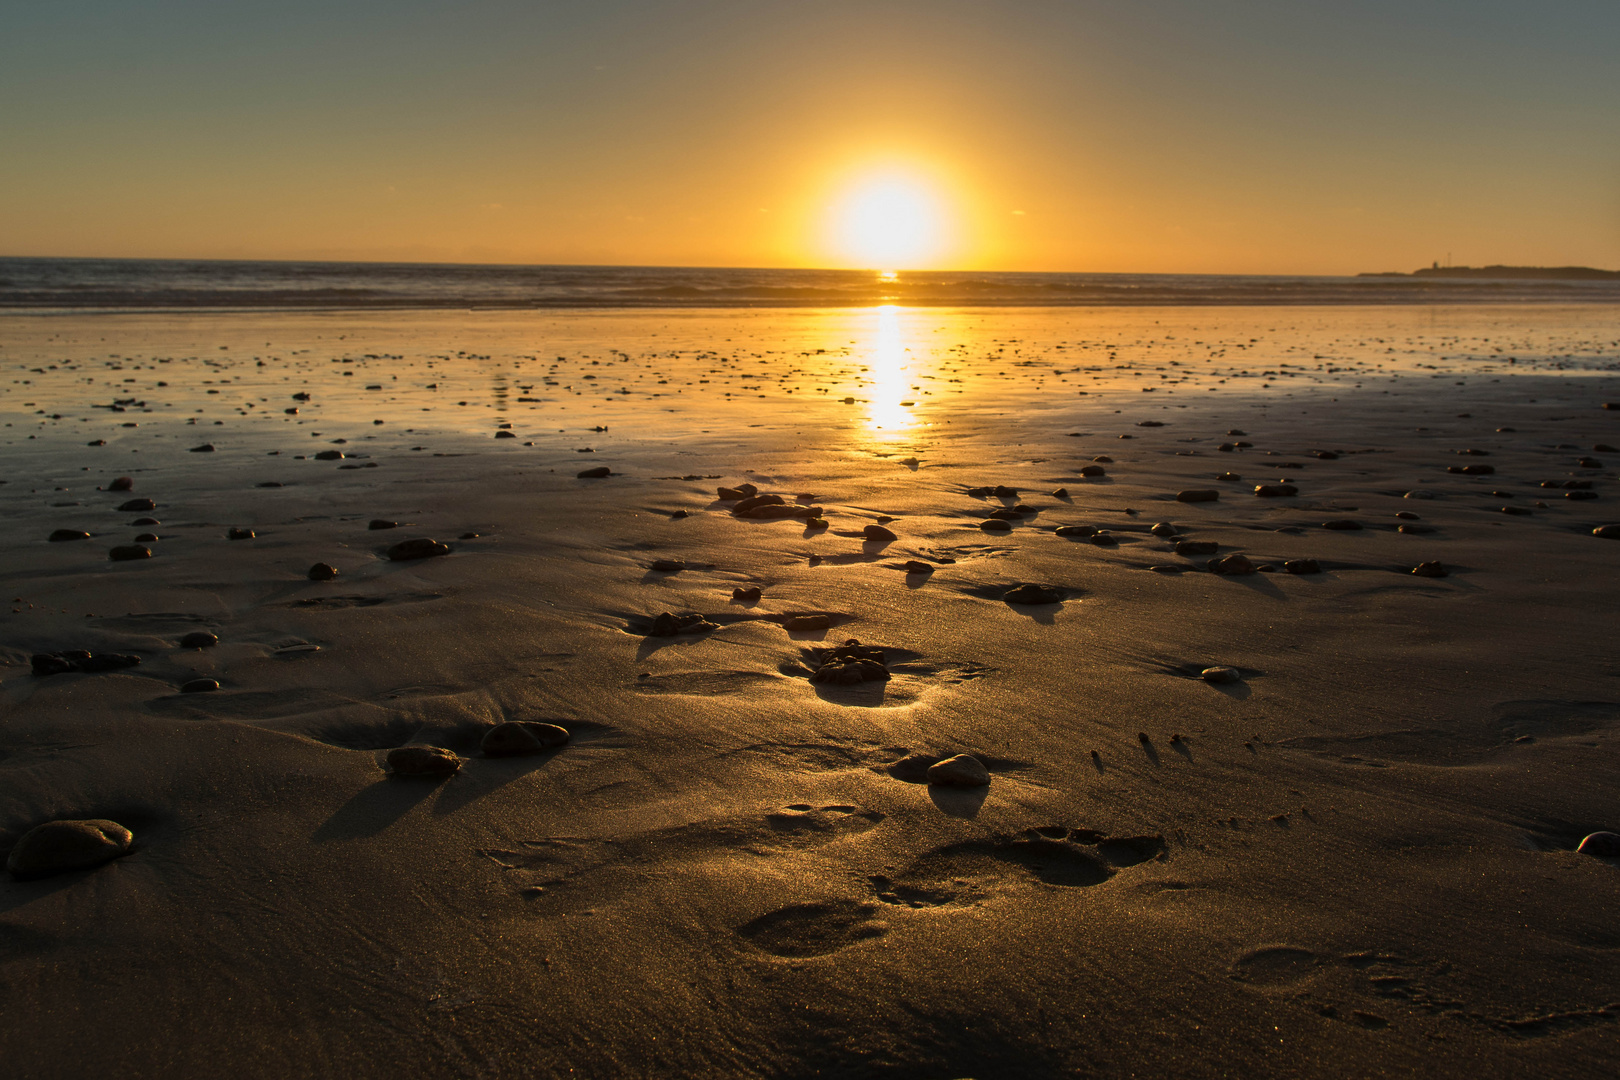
(1284, 136)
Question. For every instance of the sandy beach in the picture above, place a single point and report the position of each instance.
(1355, 858)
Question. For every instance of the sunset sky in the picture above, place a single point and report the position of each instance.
(1283, 136)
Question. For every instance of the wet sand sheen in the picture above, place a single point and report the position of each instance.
(1353, 845)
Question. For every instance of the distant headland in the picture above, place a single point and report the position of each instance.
(1555, 273)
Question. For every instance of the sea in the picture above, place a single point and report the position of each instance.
(192, 284)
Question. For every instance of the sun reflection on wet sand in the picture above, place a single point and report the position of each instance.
(891, 409)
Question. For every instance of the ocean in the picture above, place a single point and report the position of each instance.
(180, 284)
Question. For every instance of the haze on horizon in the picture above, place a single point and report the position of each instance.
(1246, 136)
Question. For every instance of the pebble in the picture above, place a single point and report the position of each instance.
(505, 435)
(1233, 565)
(1103, 459)
(752, 501)
(1516, 511)
(329, 455)
(778, 512)
(1163, 528)
(123, 483)
(963, 770)
(1471, 470)
(1193, 495)
(1413, 529)
(61, 535)
(912, 566)
(239, 534)
(1589, 463)
(595, 474)
(147, 538)
(146, 521)
(1407, 515)
(205, 448)
(1231, 477)
(1275, 491)
(1578, 495)
(1342, 525)
(1302, 566)
(878, 532)
(322, 572)
(807, 622)
(135, 506)
(741, 491)
(748, 595)
(1076, 530)
(995, 525)
(668, 566)
(1221, 675)
(1007, 515)
(1060, 493)
(669, 624)
(81, 660)
(1197, 547)
(677, 515)
(1030, 594)
(1605, 448)
(379, 523)
(417, 548)
(517, 737)
(1605, 845)
(128, 552)
(1093, 471)
(59, 846)
(1607, 532)
(851, 663)
(430, 761)
(199, 639)
(1430, 569)
(199, 686)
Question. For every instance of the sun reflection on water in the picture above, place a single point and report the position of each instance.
(892, 410)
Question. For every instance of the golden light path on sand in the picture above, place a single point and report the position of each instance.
(891, 409)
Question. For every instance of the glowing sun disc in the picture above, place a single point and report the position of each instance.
(890, 223)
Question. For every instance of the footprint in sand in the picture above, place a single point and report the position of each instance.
(963, 874)
(814, 929)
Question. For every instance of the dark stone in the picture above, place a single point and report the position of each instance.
(1150, 423)
(1605, 448)
(595, 474)
(59, 846)
(135, 506)
(379, 523)
(419, 547)
(1197, 495)
(1430, 569)
(1229, 477)
(1275, 491)
(1163, 528)
(878, 532)
(746, 595)
(199, 686)
(199, 639)
(1475, 453)
(329, 455)
(322, 572)
(1060, 493)
(123, 483)
(147, 538)
(1077, 530)
(1237, 431)
(61, 535)
(505, 435)
(849, 664)
(1220, 675)
(677, 515)
(1471, 470)
(240, 534)
(963, 770)
(1233, 565)
(423, 761)
(912, 566)
(748, 503)
(1302, 566)
(1103, 459)
(1607, 532)
(1029, 594)
(807, 622)
(1516, 511)
(205, 448)
(129, 552)
(995, 525)
(1604, 845)
(1226, 448)
(146, 521)
(1416, 530)
(1006, 515)
(668, 566)
(1579, 495)
(1188, 548)
(1326, 455)
(669, 625)
(1589, 463)
(779, 511)
(1001, 491)
(1342, 525)
(1093, 470)
(741, 491)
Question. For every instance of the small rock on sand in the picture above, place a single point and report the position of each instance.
(1275, 491)
(1342, 525)
(995, 525)
(1220, 675)
(129, 552)
(329, 455)
(1471, 470)
(1076, 530)
(1093, 471)
(741, 491)
(59, 846)
(851, 663)
(1163, 528)
(429, 761)
(239, 534)
(912, 566)
(322, 572)
(594, 474)
(517, 737)
(668, 624)
(1030, 594)
(1607, 532)
(806, 622)
(199, 639)
(668, 566)
(1234, 565)
(205, 448)
(61, 535)
(1605, 845)
(1197, 547)
(1430, 569)
(1194, 495)
(199, 686)
(135, 506)
(1302, 566)
(379, 523)
(878, 532)
(748, 595)
(420, 547)
(963, 770)
(123, 483)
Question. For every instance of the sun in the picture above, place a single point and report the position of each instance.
(889, 222)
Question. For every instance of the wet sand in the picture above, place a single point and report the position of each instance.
(1356, 859)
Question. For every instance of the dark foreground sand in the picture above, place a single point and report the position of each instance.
(1357, 860)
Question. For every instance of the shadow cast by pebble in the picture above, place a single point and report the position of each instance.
(958, 802)
(375, 807)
